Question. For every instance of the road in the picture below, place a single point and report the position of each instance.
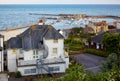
(90, 62)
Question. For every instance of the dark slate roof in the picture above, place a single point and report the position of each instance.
(32, 38)
(99, 38)
(52, 33)
(14, 42)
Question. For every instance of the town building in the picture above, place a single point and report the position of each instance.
(1, 53)
(65, 32)
(98, 27)
(38, 50)
(96, 41)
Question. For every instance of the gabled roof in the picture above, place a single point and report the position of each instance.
(14, 42)
(99, 38)
(52, 33)
(32, 38)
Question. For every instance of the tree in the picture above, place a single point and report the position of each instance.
(111, 42)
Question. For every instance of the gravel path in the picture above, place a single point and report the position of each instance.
(90, 62)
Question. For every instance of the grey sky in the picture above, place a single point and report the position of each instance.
(60, 1)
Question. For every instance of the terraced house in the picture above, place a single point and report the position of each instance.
(97, 27)
(38, 50)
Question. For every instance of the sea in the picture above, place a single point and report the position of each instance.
(12, 15)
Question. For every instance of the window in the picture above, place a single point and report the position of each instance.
(29, 71)
(57, 68)
(35, 54)
(21, 51)
(55, 40)
(91, 43)
(54, 50)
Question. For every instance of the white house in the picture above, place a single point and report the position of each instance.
(1, 52)
(65, 32)
(38, 50)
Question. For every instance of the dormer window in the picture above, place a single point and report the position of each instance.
(55, 40)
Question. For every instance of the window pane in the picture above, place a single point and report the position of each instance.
(57, 68)
(27, 71)
(33, 52)
(36, 52)
(33, 56)
(33, 70)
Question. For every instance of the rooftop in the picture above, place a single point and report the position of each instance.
(32, 38)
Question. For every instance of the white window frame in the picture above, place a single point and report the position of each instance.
(35, 54)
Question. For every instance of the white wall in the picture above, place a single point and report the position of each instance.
(11, 58)
(28, 55)
(1, 55)
(118, 25)
(42, 71)
(67, 62)
(50, 44)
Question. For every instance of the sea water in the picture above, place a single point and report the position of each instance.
(12, 15)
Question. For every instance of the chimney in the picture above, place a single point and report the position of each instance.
(41, 22)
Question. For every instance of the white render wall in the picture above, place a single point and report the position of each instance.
(49, 45)
(12, 56)
(39, 71)
(1, 61)
(28, 55)
(67, 62)
(118, 25)
(1, 55)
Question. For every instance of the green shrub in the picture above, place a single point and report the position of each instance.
(111, 62)
(18, 74)
(96, 52)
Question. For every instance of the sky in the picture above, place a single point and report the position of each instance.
(59, 1)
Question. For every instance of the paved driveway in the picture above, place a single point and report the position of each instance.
(90, 62)
(3, 77)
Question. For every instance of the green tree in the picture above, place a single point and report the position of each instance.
(111, 41)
